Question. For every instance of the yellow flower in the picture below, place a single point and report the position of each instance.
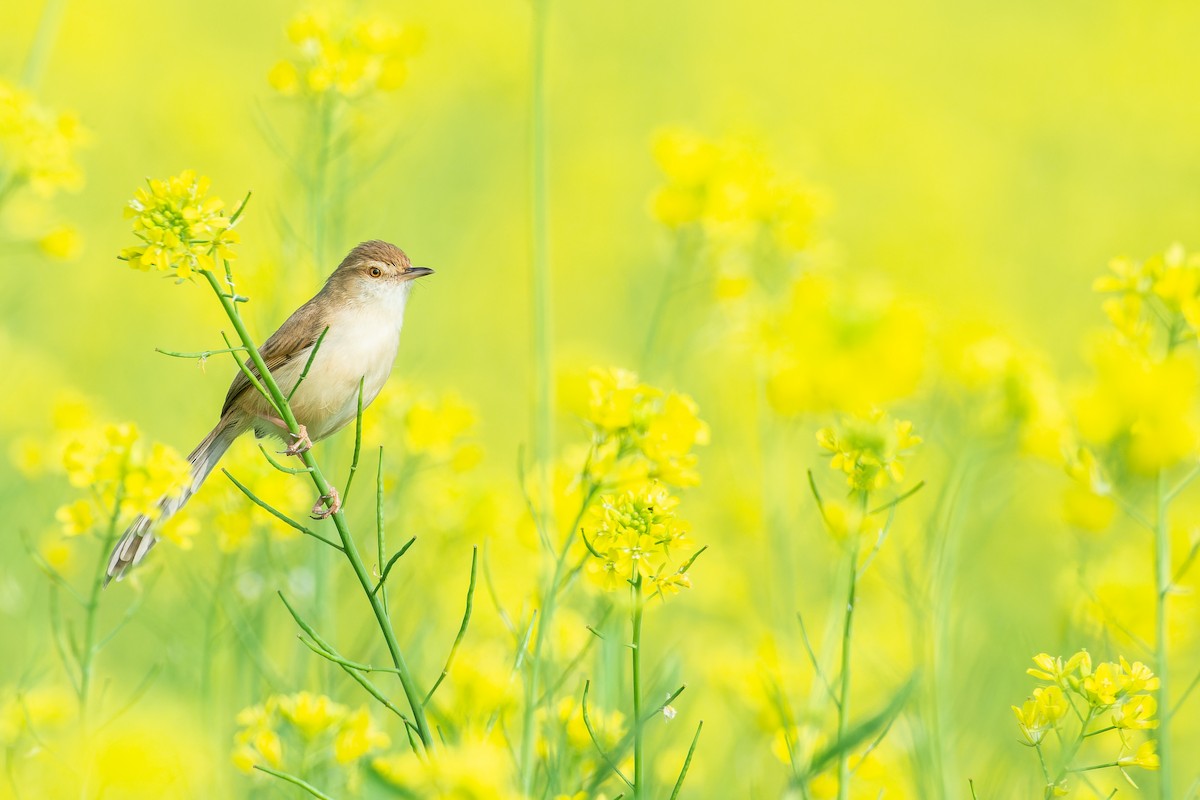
(62, 242)
(436, 428)
(357, 737)
(839, 346)
(474, 769)
(182, 229)
(1137, 713)
(631, 536)
(311, 714)
(347, 56)
(1144, 757)
(871, 450)
(77, 518)
(37, 146)
(1041, 713)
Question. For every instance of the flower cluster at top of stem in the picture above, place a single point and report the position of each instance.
(182, 229)
(38, 146)
(870, 450)
(314, 724)
(123, 474)
(641, 432)
(636, 539)
(1110, 697)
(1164, 287)
(342, 55)
(728, 187)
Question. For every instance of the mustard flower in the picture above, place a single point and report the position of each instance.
(119, 467)
(636, 420)
(631, 536)
(1041, 713)
(1144, 757)
(480, 769)
(183, 230)
(343, 55)
(871, 450)
(38, 147)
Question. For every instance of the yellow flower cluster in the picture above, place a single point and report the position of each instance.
(437, 426)
(318, 727)
(635, 538)
(833, 345)
(729, 187)
(479, 769)
(1114, 695)
(642, 432)
(122, 473)
(1164, 287)
(870, 450)
(1006, 388)
(37, 146)
(343, 55)
(181, 227)
(223, 508)
(1141, 409)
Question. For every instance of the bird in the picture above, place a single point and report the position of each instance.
(357, 315)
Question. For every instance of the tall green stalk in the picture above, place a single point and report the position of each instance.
(542, 423)
(639, 760)
(348, 545)
(843, 716)
(43, 43)
(1162, 585)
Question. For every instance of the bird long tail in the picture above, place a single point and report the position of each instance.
(138, 538)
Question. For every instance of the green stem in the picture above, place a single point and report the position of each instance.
(639, 758)
(843, 708)
(43, 43)
(88, 652)
(349, 547)
(1162, 579)
(540, 295)
(549, 600)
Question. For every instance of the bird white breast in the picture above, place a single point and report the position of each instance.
(361, 345)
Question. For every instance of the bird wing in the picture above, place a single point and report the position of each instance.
(292, 341)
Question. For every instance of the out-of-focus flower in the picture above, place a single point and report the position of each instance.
(119, 468)
(869, 450)
(635, 422)
(479, 769)
(61, 242)
(729, 188)
(38, 147)
(833, 346)
(1164, 289)
(310, 723)
(1142, 409)
(182, 229)
(343, 55)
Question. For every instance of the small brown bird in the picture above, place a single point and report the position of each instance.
(362, 305)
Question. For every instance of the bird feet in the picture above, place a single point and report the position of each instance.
(334, 505)
(302, 444)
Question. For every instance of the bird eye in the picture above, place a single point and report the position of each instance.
(374, 272)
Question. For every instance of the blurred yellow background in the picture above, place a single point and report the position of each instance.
(977, 166)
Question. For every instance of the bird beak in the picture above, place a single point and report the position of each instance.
(416, 272)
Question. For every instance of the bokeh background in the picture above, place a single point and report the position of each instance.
(972, 168)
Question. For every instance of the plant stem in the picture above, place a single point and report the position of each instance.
(843, 710)
(349, 548)
(639, 759)
(540, 302)
(43, 43)
(1162, 581)
(88, 652)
